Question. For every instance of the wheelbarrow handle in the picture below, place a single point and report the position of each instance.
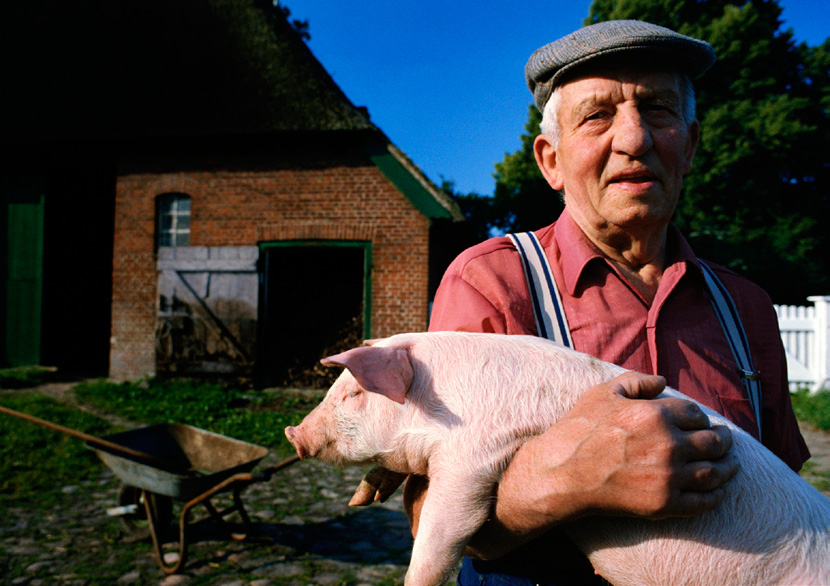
(96, 441)
(267, 473)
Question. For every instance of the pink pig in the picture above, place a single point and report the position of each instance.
(457, 406)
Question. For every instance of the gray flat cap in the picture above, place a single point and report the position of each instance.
(547, 65)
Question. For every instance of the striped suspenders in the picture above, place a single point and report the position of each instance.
(551, 322)
(548, 310)
(730, 321)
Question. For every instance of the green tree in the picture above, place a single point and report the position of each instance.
(523, 200)
(758, 197)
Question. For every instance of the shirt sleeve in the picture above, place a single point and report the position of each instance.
(459, 306)
(780, 427)
(781, 433)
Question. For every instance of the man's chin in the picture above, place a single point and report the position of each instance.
(642, 215)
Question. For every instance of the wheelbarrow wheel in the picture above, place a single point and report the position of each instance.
(135, 524)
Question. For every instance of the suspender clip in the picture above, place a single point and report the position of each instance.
(750, 374)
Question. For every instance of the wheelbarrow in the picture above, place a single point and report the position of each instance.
(172, 461)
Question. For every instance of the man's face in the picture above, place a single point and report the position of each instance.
(623, 150)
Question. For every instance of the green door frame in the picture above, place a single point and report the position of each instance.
(367, 268)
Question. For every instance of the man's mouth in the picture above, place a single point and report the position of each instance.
(633, 177)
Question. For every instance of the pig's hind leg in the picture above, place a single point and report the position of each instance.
(455, 507)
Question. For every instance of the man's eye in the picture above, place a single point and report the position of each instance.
(659, 109)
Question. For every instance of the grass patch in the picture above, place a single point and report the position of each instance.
(816, 477)
(259, 417)
(23, 377)
(36, 462)
(812, 408)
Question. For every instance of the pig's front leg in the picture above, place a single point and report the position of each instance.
(456, 505)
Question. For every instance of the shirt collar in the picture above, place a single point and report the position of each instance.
(577, 252)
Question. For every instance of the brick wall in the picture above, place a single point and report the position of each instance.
(341, 200)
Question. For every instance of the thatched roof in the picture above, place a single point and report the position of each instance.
(122, 68)
(119, 70)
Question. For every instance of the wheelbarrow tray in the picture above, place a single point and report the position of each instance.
(198, 459)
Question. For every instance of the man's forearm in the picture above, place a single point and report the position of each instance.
(536, 492)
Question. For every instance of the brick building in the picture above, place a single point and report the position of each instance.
(260, 219)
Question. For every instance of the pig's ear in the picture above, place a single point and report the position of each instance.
(373, 341)
(384, 370)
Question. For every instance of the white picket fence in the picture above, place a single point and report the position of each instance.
(805, 332)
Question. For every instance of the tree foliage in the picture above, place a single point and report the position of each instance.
(523, 200)
(758, 197)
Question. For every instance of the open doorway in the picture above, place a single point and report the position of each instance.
(313, 302)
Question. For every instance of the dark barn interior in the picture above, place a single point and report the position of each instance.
(311, 306)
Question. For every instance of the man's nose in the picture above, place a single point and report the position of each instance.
(632, 135)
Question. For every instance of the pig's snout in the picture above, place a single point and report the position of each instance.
(295, 437)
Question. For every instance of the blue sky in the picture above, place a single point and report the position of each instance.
(444, 78)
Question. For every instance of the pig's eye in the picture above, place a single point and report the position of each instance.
(353, 394)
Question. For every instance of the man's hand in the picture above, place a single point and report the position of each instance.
(651, 459)
(378, 485)
(609, 455)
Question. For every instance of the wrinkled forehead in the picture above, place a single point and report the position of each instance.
(627, 81)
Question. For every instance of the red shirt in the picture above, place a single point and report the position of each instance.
(677, 335)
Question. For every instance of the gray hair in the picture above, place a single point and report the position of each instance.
(550, 115)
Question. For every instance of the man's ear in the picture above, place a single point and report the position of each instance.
(546, 159)
(694, 140)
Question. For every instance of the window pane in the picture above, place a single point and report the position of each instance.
(173, 220)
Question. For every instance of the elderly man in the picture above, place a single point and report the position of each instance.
(618, 135)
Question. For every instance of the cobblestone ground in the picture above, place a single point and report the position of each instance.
(305, 534)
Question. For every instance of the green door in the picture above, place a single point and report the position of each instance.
(23, 274)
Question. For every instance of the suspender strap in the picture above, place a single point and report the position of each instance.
(552, 324)
(548, 310)
(736, 336)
